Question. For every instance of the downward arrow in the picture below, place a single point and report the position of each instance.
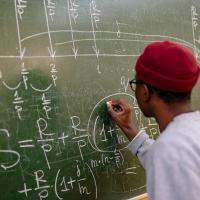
(22, 53)
(96, 51)
(75, 51)
(52, 52)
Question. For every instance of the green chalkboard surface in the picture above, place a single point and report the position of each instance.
(60, 62)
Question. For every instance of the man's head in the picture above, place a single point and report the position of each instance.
(168, 66)
(168, 70)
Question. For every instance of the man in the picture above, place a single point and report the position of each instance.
(165, 76)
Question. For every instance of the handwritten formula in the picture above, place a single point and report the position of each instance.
(61, 60)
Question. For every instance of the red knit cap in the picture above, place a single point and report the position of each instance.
(168, 66)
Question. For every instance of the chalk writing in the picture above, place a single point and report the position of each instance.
(73, 12)
(73, 9)
(54, 73)
(51, 6)
(195, 30)
(9, 151)
(42, 127)
(62, 184)
(51, 51)
(18, 101)
(124, 83)
(21, 5)
(46, 103)
(61, 60)
(24, 73)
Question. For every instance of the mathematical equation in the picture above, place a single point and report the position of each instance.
(96, 137)
(57, 146)
(62, 184)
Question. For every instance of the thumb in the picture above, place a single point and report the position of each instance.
(110, 108)
(113, 110)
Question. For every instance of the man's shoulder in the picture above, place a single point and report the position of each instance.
(184, 127)
(180, 140)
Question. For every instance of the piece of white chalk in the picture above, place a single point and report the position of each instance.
(108, 103)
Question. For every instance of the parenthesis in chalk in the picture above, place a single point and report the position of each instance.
(55, 185)
(95, 183)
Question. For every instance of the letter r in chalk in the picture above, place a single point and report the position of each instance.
(75, 123)
(42, 126)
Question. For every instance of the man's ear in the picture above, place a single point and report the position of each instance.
(146, 93)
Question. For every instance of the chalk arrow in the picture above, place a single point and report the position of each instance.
(75, 50)
(52, 53)
(22, 52)
(96, 51)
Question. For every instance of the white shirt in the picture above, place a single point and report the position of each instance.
(172, 162)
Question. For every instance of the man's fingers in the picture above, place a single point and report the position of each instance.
(111, 110)
(110, 107)
(119, 105)
(116, 102)
(114, 109)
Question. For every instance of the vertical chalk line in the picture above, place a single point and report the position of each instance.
(193, 33)
(18, 31)
(93, 31)
(52, 52)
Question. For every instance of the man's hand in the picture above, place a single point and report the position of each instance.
(121, 113)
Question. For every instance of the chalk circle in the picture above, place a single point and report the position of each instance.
(103, 134)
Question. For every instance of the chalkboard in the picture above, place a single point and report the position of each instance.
(60, 61)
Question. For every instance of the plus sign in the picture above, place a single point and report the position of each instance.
(63, 138)
(71, 182)
(111, 131)
(25, 190)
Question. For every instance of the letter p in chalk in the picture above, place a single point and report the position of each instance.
(81, 144)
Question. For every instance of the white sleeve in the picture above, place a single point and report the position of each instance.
(170, 176)
(140, 145)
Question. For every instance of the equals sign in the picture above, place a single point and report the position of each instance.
(26, 144)
(131, 170)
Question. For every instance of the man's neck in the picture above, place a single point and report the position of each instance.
(168, 112)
